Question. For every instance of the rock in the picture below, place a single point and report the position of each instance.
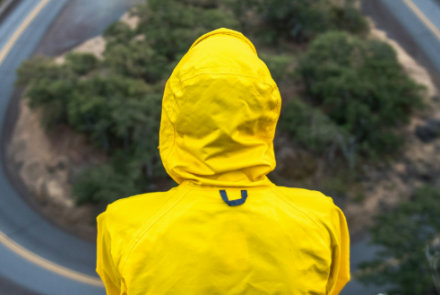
(429, 132)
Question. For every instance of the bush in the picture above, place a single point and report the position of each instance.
(103, 184)
(82, 63)
(297, 20)
(207, 4)
(131, 171)
(171, 27)
(360, 85)
(118, 33)
(120, 115)
(137, 59)
(314, 131)
(116, 112)
(49, 86)
(348, 18)
(405, 236)
(280, 66)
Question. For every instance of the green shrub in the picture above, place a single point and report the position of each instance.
(280, 66)
(207, 4)
(403, 236)
(131, 171)
(49, 87)
(171, 27)
(297, 20)
(137, 59)
(115, 112)
(348, 18)
(103, 184)
(118, 33)
(82, 63)
(360, 85)
(314, 131)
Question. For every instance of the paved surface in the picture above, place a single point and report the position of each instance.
(8, 287)
(59, 27)
(33, 245)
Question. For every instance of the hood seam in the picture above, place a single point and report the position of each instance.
(171, 122)
(228, 32)
(230, 74)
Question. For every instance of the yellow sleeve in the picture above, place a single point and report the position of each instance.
(340, 267)
(105, 265)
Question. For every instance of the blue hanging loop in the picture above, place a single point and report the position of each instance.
(234, 202)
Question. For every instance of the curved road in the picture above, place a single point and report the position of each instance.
(35, 254)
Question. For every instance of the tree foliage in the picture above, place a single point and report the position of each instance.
(297, 20)
(315, 131)
(119, 114)
(360, 86)
(280, 65)
(171, 27)
(405, 235)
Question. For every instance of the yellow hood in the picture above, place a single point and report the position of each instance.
(219, 114)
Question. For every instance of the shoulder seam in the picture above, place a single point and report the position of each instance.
(141, 232)
(302, 212)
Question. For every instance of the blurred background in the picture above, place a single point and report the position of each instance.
(81, 83)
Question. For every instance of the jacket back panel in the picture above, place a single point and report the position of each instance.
(197, 244)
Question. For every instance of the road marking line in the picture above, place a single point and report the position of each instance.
(4, 239)
(423, 18)
(40, 261)
(24, 25)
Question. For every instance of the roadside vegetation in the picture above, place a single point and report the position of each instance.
(409, 240)
(345, 98)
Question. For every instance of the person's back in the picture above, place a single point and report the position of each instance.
(226, 229)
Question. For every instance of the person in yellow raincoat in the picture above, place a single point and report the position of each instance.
(226, 229)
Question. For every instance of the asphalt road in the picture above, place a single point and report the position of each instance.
(37, 257)
(33, 250)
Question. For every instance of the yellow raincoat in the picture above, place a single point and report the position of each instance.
(226, 229)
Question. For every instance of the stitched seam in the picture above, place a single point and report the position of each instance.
(138, 237)
(171, 122)
(267, 187)
(229, 74)
(141, 228)
(274, 124)
(210, 67)
(239, 36)
(302, 212)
